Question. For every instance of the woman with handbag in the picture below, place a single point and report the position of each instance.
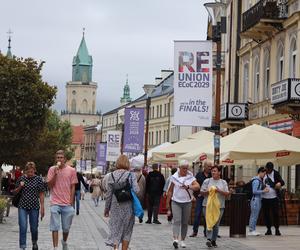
(96, 190)
(182, 186)
(31, 189)
(119, 204)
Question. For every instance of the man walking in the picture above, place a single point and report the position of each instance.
(78, 190)
(270, 200)
(155, 182)
(200, 177)
(61, 181)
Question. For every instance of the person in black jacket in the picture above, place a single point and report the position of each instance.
(78, 190)
(155, 182)
(270, 201)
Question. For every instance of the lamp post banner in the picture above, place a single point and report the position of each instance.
(193, 72)
(101, 154)
(134, 130)
(113, 145)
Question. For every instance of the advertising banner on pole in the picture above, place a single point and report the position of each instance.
(82, 165)
(134, 130)
(113, 145)
(193, 90)
(101, 154)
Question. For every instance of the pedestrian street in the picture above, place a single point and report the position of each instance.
(89, 230)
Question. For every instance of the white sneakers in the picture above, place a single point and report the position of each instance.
(254, 233)
(182, 244)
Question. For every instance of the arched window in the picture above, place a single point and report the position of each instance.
(245, 82)
(267, 74)
(93, 107)
(84, 106)
(256, 80)
(280, 61)
(73, 106)
(293, 57)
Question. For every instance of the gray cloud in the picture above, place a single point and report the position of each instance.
(123, 36)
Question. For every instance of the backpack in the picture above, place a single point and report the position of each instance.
(123, 192)
(248, 190)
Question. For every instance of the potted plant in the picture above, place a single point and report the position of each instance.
(3, 205)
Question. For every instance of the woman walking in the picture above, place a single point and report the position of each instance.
(217, 188)
(182, 186)
(31, 201)
(120, 210)
(96, 185)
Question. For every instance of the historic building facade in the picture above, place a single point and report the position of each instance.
(81, 92)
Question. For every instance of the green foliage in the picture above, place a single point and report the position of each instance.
(56, 135)
(3, 203)
(25, 100)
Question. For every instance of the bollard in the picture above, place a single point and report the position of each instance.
(238, 215)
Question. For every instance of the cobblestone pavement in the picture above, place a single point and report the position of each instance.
(89, 230)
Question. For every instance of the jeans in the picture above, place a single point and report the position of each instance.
(255, 209)
(33, 215)
(213, 234)
(77, 200)
(153, 207)
(181, 215)
(197, 218)
(271, 205)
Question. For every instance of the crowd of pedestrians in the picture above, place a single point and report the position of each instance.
(120, 187)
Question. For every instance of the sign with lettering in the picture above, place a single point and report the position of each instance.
(113, 149)
(134, 130)
(193, 83)
(279, 92)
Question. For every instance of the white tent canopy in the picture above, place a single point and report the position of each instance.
(172, 153)
(253, 144)
(138, 161)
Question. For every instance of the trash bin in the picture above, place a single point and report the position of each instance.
(238, 215)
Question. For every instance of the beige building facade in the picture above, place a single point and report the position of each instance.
(262, 49)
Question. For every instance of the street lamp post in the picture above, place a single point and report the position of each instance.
(148, 88)
(218, 21)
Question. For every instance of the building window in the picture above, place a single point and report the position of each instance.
(152, 113)
(293, 57)
(149, 140)
(156, 141)
(165, 110)
(256, 81)
(267, 75)
(160, 111)
(73, 106)
(280, 62)
(157, 111)
(159, 137)
(84, 107)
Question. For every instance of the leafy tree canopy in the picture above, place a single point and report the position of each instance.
(25, 100)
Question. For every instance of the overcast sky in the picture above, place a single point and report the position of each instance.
(133, 37)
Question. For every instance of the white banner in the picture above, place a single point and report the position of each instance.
(193, 83)
(113, 150)
(88, 165)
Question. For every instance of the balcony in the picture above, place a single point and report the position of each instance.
(263, 20)
(233, 114)
(285, 96)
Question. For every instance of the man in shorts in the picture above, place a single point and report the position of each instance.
(61, 180)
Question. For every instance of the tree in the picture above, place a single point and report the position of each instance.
(56, 135)
(25, 100)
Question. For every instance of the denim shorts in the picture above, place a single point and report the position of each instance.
(65, 213)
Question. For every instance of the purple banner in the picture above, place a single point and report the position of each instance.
(101, 154)
(134, 130)
(82, 165)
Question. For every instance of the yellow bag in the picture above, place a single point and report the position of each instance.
(212, 208)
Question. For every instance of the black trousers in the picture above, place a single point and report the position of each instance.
(271, 206)
(153, 206)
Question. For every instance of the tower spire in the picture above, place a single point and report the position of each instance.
(126, 92)
(9, 54)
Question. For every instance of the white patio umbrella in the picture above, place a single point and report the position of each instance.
(256, 144)
(174, 151)
(139, 159)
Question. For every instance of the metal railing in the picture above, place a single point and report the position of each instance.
(264, 9)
